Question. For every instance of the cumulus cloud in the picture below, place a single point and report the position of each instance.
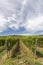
(27, 14)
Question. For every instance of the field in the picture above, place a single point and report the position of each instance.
(21, 50)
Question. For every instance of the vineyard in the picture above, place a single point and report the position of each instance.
(21, 50)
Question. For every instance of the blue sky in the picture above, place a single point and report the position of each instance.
(23, 17)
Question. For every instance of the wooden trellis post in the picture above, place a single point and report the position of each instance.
(6, 48)
(35, 51)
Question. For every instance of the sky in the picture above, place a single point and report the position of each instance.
(21, 17)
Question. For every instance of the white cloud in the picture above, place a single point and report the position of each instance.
(6, 4)
(21, 13)
(3, 24)
(14, 26)
(34, 25)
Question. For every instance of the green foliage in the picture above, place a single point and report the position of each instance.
(2, 42)
(29, 42)
(10, 43)
(39, 54)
